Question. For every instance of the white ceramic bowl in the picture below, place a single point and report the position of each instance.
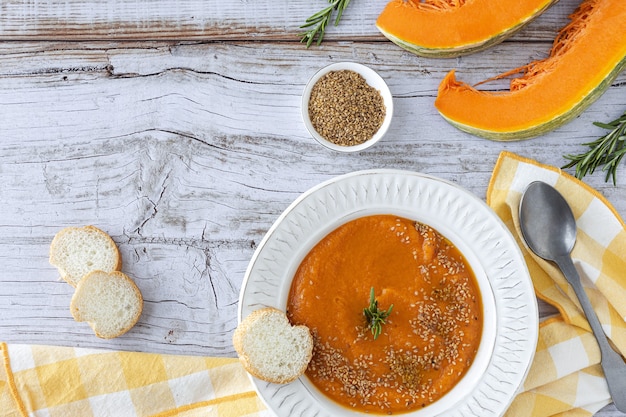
(509, 305)
(374, 80)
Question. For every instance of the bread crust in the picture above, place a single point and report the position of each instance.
(245, 357)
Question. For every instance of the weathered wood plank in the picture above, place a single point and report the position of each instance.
(211, 19)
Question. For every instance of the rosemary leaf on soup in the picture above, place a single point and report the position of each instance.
(317, 23)
(375, 317)
(606, 151)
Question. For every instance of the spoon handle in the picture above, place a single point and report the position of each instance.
(612, 363)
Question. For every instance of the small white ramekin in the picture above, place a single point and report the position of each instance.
(374, 80)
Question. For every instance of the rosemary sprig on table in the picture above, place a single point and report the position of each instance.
(375, 317)
(607, 151)
(317, 22)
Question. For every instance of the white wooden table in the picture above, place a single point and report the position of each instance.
(175, 126)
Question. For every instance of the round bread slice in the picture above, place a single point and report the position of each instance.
(76, 251)
(270, 348)
(109, 301)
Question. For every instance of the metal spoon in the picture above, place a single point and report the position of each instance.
(549, 229)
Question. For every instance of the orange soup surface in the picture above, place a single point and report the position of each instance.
(428, 341)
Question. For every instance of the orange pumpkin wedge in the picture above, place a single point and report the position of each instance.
(449, 28)
(586, 57)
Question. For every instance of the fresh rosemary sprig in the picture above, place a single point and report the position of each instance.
(607, 150)
(375, 317)
(317, 22)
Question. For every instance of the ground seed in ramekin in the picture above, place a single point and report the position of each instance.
(344, 109)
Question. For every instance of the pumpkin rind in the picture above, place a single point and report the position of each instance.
(444, 31)
(578, 71)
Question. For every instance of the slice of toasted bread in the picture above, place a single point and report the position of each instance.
(270, 348)
(76, 251)
(109, 301)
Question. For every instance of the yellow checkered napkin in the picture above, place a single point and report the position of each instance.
(52, 381)
(565, 378)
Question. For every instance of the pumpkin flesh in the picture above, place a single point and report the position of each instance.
(447, 28)
(586, 57)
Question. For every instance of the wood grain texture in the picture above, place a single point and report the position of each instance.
(195, 19)
(177, 130)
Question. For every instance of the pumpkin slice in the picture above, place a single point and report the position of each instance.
(449, 28)
(586, 57)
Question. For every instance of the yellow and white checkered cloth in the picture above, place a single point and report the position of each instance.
(76, 382)
(565, 378)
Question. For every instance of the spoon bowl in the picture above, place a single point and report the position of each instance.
(547, 222)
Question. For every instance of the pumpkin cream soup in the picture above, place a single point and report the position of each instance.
(427, 319)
